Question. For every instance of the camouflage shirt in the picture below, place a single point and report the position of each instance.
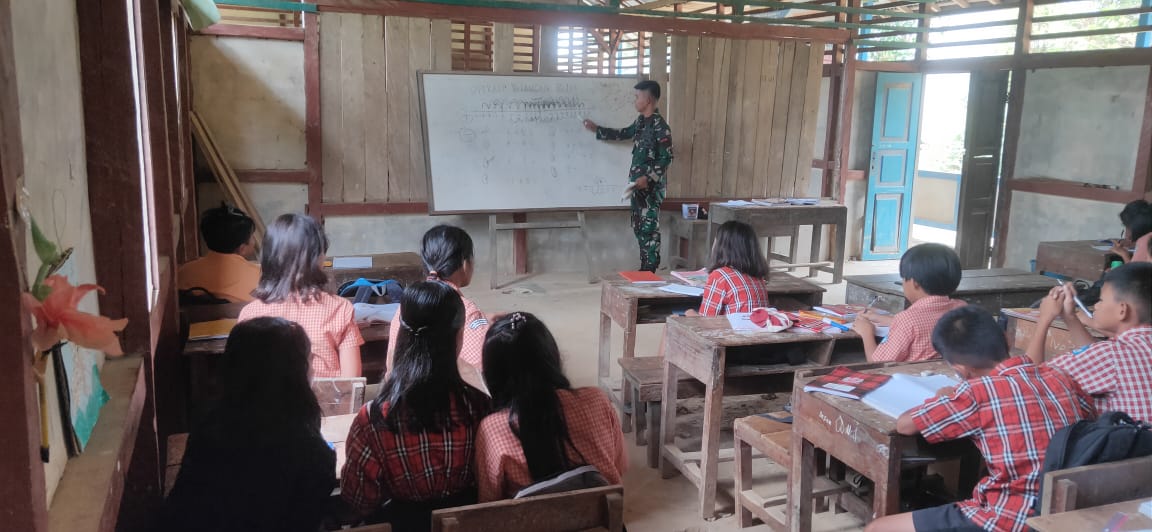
(652, 148)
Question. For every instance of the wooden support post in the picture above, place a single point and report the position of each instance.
(1012, 131)
(494, 229)
(22, 493)
(842, 154)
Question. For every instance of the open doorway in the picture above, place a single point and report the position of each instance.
(936, 190)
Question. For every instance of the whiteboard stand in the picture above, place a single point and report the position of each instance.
(494, 228)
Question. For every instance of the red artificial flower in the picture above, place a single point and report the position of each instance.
(57, 319)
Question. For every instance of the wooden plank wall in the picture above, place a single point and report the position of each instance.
(743, 116)
(370, 106)
(743, 112)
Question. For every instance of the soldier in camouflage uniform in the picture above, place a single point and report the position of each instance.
(651, 155)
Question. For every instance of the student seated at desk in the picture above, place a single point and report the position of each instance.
(1008, 407)
(225, 271)
(1118, 371)
(542, 427)
(256, 460)
(738, 277)
(412, 449)
(931, 273)
(292, 284)
(447, 254)
(1137, 219)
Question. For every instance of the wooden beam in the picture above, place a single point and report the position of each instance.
(1068, 189)
(1008, 167)
(655, 4)
(253, 32)
(1142, 179)
(23, 501)
(574, 16)
(369, 209)
(274, 176)
(313, 139)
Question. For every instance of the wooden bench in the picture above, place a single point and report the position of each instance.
(383, 527)
(646, 377)
(1095, 485)
(559, 512)
(774, 440)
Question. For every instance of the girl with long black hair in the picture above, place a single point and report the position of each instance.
(448, 256)
(256, 460)
(411, 450)
(541, 426)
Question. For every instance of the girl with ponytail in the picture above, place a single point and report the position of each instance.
(411, 450)
(541, 426)
(447, 253)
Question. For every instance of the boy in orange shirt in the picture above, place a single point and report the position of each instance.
(225, 270)
(931, 273)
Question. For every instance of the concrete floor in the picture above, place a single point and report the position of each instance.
(570, 306)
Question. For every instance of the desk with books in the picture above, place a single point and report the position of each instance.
(992, 289)
(710, 351)
(783, 220)
(628, 305)
(860, 437)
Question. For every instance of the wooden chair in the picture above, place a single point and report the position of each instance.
(339, 395)
(383, 527)
(177, 444)
(774, 440)
(560, 512)
(1096, 485)
(646, 375)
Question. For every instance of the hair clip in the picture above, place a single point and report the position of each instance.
(517, 319)
(413, 332)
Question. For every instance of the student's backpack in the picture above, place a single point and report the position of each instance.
(372, 291)
(582, 477)
(1113, 436)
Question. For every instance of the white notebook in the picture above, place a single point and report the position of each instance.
(904, 392)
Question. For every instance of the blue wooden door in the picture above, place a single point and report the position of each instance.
(895, 134)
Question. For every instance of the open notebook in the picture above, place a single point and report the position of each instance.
(904, 392)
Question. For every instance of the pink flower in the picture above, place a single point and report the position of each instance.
(57, 319)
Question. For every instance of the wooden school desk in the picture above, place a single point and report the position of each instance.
(700, 347)
(1075, 259)
(406, 267)
(1020, 326)
(992, 289)
(856, 435)
(782, 220)
(1094, 518)
(629, 305)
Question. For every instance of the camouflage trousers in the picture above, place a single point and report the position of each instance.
(646, 226)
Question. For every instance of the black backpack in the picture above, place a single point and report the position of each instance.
(1113, 436)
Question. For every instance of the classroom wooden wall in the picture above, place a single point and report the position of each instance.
(743, 116)
(743, 112)
(370, 107)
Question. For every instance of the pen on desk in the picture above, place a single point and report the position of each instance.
(1078, 302)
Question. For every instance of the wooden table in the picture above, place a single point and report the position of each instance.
(1020, 326)
(992, 289)
(334, 429)
(406, 267)
(856, 435)
(783, 220)
(1075, 259)
(1094, 518)
(701, 348)
(629, 305)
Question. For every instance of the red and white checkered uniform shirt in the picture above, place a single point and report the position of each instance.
(1117, 372)
(910, 335)
(328, 321)
(1011, 414)
(728, 290)
(411, 466)
(475, 330)
(593, 426)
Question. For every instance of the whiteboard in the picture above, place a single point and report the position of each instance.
(516, 142)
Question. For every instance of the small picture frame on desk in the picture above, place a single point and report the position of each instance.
(691, 211)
